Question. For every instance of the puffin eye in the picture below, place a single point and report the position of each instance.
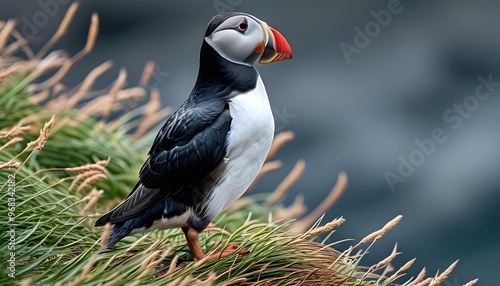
(242, 27)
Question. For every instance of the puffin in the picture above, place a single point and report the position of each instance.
(209, 151)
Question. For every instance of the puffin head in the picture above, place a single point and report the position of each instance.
(244, 39)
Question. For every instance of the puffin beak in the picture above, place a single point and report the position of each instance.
(277, 48)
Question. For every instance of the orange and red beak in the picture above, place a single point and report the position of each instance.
(277, 48)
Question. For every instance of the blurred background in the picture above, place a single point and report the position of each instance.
(368, 79)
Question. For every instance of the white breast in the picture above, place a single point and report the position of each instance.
(249, 140)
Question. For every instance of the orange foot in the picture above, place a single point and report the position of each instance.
(192, 240)
(230, 249)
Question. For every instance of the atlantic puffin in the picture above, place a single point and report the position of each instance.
(210, 150)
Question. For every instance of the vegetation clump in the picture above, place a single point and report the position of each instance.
(64, 161)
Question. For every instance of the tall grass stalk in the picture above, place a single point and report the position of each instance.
(63, 162)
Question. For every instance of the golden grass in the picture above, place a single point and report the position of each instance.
(154, 257)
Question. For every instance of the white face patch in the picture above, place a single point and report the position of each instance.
(234, 44)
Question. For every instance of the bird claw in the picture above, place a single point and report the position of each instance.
(229, 250)
(233, 247)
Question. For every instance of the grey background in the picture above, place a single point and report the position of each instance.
(358, 116)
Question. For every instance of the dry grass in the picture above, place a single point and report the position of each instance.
(85, 150)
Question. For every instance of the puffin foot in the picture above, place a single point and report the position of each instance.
(229, 250)
(192, 240)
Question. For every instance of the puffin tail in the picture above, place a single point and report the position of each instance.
(118, 229)
(118, 232)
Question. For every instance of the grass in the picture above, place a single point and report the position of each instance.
(62, 166)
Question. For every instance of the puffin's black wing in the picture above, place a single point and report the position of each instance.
(136, 203)
(191, 144)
